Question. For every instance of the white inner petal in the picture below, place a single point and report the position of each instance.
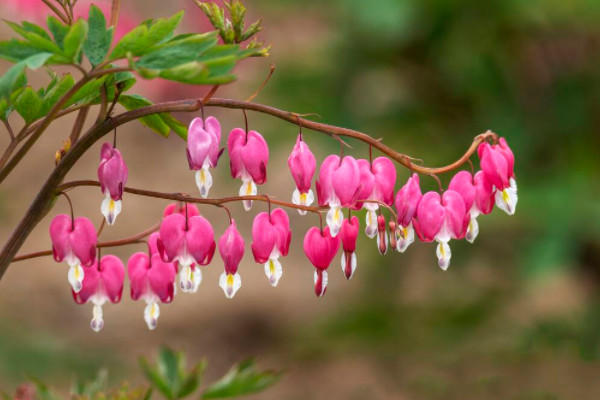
(409, 237)
(335, 217)
(110, 209)
(507, 199)
(151, 314)
(75, 277)
(273, 270)
(443, 253)
(97, 321)
(472, 230)
(371, 224)
(204, 180)
(230, 284)
(248, 188)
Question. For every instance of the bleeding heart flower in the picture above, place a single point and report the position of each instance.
(302, 165)
(382, 237)
(478, 195)
(203, 141)
(320, 248)
(271, 238)
(338, 186)
(441, 219)
(74, 242)
(188, 242)
(249, 155)
(384, 179)
(349, 234)
(152, 280)
(407, 201)
(231, 248)
(180, 208)
(112, 174)
(497, 163)
(101, 284)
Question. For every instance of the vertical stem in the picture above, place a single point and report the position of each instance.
(78, 126)
(114, 13)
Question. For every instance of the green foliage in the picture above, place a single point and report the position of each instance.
(99, 37)
(242, 379)
(58, 29)
(28, 104)
(233, 29)
(13, 78)
(161, 123)
(169, 375)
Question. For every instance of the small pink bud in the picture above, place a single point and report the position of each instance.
(231, 248)
(203, 141)
(382, 237)
(349, 234)
(112, 174)
(302, 165)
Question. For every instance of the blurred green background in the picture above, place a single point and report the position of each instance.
(517, 315)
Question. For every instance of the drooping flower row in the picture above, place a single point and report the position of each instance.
(185, 241)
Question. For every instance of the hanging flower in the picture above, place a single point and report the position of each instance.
(382, 237)
(112, 174)
(338, 186)
(320, 248)
(249, 155)
(407, 201)
(478, 195)
(189, 242)
(180, 208)
(271, 238)
(152, 280)
(349, 234)
(231, 248)
(302, 165)
(203, 141)
(497, 163)
(73, 241)
(442, 218)
(101, 283)
(384, 179)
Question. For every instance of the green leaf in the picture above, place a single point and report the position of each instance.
(73, 42)
(242, 379)
(193, 380)
(41, 42)
(180, 129)
(54, 93)
(16, 50)
(155, 378)
(33, 28)
(154, 122)
(175, 53)
(28, 104)
(88, 92)
(99, 38)
(14, 73)
(58, 29)
(141, 39)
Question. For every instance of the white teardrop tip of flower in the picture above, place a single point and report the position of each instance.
(110, 209)
(472, 230)
(273, 270)
(349, 272)
(443, 253)
(204, 181)
(97, 322)
(324, 282)
(335, 217)
(248, 188)
(75, 277)
(371, 224)
(230, 284)
(404, 242)
(151, 314)
(190, 278)
(303, 199)
(506, 200)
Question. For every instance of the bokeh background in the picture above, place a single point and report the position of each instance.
(517, 315)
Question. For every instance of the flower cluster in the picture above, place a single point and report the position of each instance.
(185, 241)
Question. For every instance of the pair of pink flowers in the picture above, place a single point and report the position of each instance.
(248, 153)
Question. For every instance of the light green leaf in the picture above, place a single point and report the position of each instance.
(175, 53)
(88, 92)
(180, 129)
(242, 379)
(141, 39)
(56, 92)
(14, 73)
(99, 38)
(73, 42)
(41, 42)
(58, 29)
(154, 122)
(16, 50)
(28, 104)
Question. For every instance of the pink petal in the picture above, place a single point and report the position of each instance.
(324, 184)
(83, 241)
(60, 227)
(112, 275)
(179, 208)
(484, 193)
(407, 200)
(264, 238)
(172, 237)
(90, 284)
(199, 144)
(456, 214)
(462, 183)
(161, 279)
(255, 157)
(320, 248)
(235, 144)
(200, 240)
(349, 234)
(231, 248)
(346, 181)
(281, 221)
(302, 165)
(384, 173)
(367, 182)
(112, 172)
(430, 216)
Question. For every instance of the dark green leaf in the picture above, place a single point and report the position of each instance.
(241, 379)
(14, 74)
(175, 53)
(28, 104)
(41, 42)
(29, 27)
(99, 38)
(171, 365)
(155, 378)
(88, 92)
(193, 380)
(73, 41)
(142, 38)
(180, 129)
(58, 29)
(154, 122)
